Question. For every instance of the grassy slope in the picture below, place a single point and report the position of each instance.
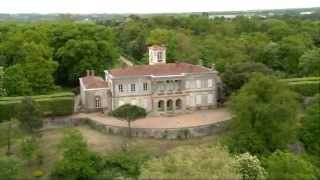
(100, 143)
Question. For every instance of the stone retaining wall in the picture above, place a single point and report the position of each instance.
(159, 133)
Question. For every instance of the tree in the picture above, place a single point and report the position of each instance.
(164, 37)
(78, 161)
(238, 74)
(77, 56)
(9, 167)
(192, 163)
(29, 115)
(270, 56)
(249, 167)
(223, 52)
(9, 136)
(15, 81)
(265, 116)
(287, 166)
(33, 74)
(2, 89)
(129, 113)
(291, 48)
(309, 132)
(309, 63)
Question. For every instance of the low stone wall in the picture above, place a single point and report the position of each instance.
(159, 133)
(164, 133)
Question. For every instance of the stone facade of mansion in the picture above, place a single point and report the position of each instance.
(159, 87)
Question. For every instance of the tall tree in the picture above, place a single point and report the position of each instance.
(238, 74)
(310, 63)
(291, 48)
(76, 56)
(310, 130)
(2, 89)
(15, 81)
(265, 116)
(29, 115)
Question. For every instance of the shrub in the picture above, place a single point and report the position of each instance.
(126, 163)
(28, 148)
(250, 167)
(78, 161)
(287, 166)
(38, 173)
(9, 167)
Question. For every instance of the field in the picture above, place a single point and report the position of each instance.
(100, 143)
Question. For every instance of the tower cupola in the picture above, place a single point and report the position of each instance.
(157, 54)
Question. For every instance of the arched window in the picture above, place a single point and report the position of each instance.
(169, 105)
(98, 102)
(161, 105)
(178, 104)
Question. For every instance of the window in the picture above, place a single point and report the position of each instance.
(198, 84)
(210, 98)
(198, 99)
(145, 103)
(120, 86)
(159, 56)
(98, 102)
(133, 87)
(145, 86)
(209, 82)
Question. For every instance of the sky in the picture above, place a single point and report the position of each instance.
(145, 6)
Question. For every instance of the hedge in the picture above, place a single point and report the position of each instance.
(306, 86)
(51, 105)
(301, 79)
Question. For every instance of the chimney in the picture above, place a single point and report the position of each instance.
(92, 72)
(88, 73)
(213, 66)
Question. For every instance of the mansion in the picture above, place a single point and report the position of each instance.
(160, 87)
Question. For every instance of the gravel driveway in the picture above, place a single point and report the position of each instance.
(197, 118)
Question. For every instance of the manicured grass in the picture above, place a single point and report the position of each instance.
(56, 104)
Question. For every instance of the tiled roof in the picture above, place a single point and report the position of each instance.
(158, 70)
(92, 82)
